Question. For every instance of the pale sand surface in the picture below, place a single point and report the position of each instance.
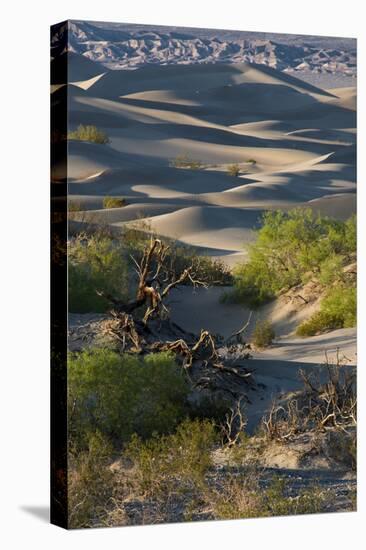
(301, 138)
(200, 309)
(277, 367)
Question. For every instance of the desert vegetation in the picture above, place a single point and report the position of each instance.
(233, 170)
(165, 466)
(114, 202)
(99, 263)
(89, 133)
(95, 262)
(180, 405)
(263, 334)
(74, 206)
(337, 310)
(184, 161)
(297, 247)
(155, 412)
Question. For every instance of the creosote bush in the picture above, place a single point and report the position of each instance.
(292, 246)
(233, 170)
(114, 202)
(90, 482)
(89, 133)
(176, 462)
(242, 496)
(95, 263)
(183, 161)
(263, 334)
(74, 206)
(337, 310)
(121, 395)
(101, 261)
(212, 271)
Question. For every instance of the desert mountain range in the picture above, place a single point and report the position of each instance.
(128, 46)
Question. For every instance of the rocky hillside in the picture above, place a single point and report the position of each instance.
(127, 46)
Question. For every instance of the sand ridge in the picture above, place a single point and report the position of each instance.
(294, 145)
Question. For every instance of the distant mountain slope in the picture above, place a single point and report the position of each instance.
(79, 67)
(119, 47)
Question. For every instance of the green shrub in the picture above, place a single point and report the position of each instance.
(243, 496)
(174, 463)
(331, 269)
(212, 271)
(337, 310)
(350, 236)
(263, 334)
(233, 170)
(114, 202)
(120, 395)
(290, 245)
(90, 482)
(95, 263)
(277, 499)
(183, 161)
(210, 406)
(74, 206)
(252, 161)
(89, 133)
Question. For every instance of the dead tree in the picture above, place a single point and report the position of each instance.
(234, 425)
(156, 278)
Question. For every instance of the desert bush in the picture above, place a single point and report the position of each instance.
(210, 406)
(331, 269)
(114, 202)
(74, 206)
(173, 463)
(322, 404)
(183, 161)
(341, 446)
(212, 271)
(244, 495)
(96, 263)
(237, 496)
(341, 303)
(120, 395)
(278, 499)
(90, 482)
(263, 334)
(89, 133)
(319, 322)
(290, 246)
(233, 170)
(252, 161)
(337, 310)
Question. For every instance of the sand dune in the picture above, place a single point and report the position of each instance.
(194, 77)
(77, 67)
(294, 144)
(229, 318)
(208, 226)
